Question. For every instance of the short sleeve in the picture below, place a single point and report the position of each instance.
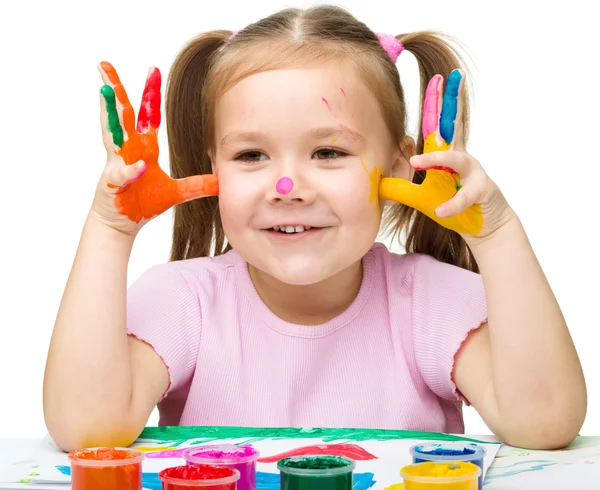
(164, 312)
(448, 302)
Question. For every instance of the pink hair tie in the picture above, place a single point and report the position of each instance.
(391, 45)
(233, 34)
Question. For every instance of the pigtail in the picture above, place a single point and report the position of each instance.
(434, 56)
(197, 224)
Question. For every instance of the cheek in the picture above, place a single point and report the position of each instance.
(235, 200)
(356, 197)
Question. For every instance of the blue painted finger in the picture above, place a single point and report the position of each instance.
(450, 106)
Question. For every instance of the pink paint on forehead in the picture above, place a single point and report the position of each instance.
(284, 185)
(326, 103)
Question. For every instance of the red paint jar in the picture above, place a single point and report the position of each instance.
(199, 477)
(106, 469)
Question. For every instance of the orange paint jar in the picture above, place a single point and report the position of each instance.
(106, 469)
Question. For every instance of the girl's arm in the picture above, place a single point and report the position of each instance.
(521, 371)
(100, 385)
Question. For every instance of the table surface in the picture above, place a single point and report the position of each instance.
(575, 468)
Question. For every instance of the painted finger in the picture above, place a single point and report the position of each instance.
(149, 115)
(462, 200)
(431, 116)
(122, 175)
(449, 161)
(401, 191)
(112, 131)
(110, 77)
(431, 106)
(449, 112)
(197, 186)
(458, 143)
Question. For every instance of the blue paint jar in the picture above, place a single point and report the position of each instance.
(450, 451)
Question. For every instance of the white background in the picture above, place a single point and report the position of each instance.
(534, 128)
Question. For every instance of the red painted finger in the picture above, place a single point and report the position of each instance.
(149, 115)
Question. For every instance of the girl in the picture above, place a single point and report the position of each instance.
(278, 308)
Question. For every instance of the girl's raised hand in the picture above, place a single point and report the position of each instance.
(456, 192)
(133, 188)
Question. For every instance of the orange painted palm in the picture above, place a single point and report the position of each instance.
(139, 187)
(442, 132)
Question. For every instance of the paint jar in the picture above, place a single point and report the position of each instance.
(106, 469)
(199, 477)
(450, 451)
(241, 458)
(456, 475)
(316, 473)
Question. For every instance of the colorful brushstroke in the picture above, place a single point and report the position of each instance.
(439, 125)
(152, 192)
(351, 451)
(158, 453)
(176, 435)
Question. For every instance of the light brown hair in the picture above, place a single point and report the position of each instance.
(213, 62)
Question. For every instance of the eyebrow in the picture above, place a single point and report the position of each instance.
(315, 133)
(330, 131)
(241, 137)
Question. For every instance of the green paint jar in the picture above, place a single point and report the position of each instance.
(320, 472)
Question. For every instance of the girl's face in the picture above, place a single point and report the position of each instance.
(322, 129)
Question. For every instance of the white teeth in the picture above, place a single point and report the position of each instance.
(291, 228)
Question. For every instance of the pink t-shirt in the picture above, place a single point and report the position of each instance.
(385, 362)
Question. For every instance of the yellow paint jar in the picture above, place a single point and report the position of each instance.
(451, 475)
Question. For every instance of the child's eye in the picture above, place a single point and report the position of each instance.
(328, 154)
(251, 156)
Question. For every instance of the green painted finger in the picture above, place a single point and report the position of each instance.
(114, 126)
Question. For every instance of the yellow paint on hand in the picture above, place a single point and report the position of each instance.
(439, 186)
(431, 144)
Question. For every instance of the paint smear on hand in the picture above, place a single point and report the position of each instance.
(149, 116)
(352, 451)
(450, 106)
(154, 192)
(431, 106)
(431, 144)
(441, 183)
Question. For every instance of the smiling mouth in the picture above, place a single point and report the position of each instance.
(291, 229)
